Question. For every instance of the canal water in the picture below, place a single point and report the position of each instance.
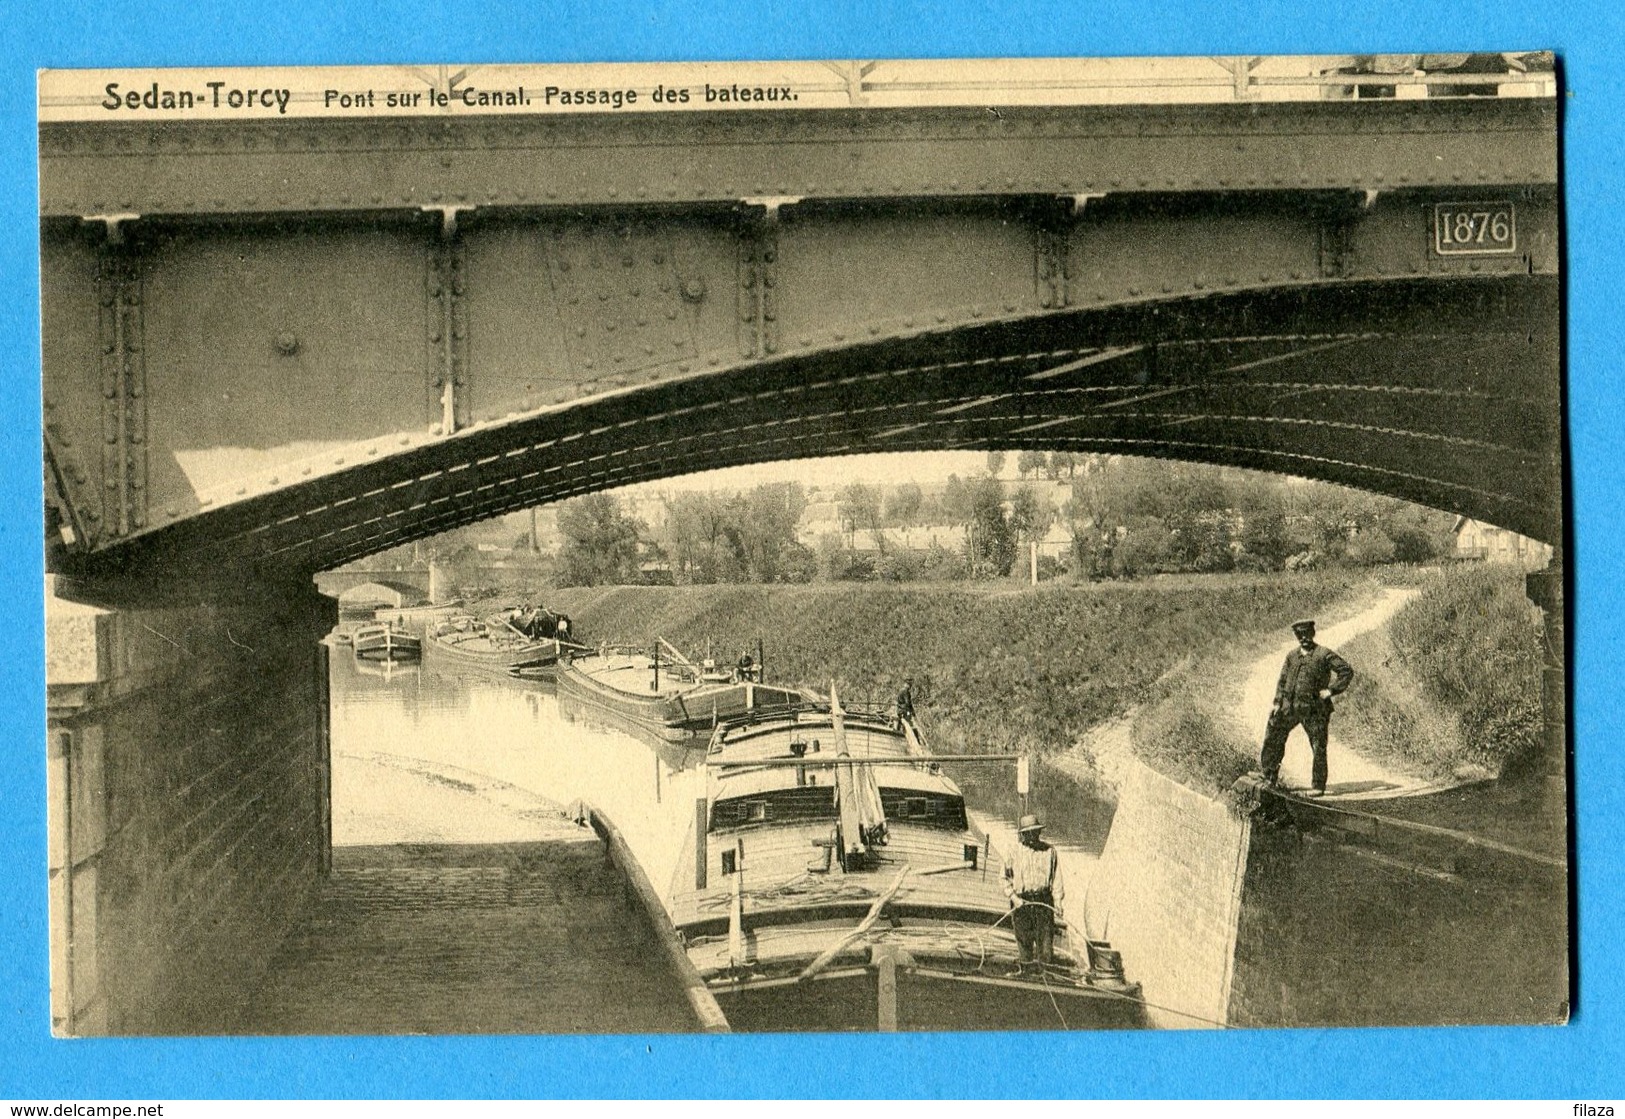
(424, 757)
(464, 896)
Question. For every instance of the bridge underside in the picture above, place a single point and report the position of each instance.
(1440, 394)
(239, 370)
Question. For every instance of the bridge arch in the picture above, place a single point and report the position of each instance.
(1435, 391)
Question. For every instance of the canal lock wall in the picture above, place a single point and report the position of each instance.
(1254, 909)
(187, 790)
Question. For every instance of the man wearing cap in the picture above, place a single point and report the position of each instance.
(1311, 676)
(1036, 890)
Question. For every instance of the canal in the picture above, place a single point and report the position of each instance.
(464, 895)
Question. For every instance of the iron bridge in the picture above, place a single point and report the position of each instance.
(289, 343)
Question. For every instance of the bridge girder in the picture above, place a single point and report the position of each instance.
(306, 381)
(1451, 404)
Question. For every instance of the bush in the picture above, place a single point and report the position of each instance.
(899, 567)
(1181, 739)
(1472, 640)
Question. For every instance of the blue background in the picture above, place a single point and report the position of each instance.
(1582, 1060)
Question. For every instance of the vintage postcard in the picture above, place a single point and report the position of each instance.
(787, 546)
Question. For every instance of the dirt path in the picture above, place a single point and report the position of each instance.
(1352, 775)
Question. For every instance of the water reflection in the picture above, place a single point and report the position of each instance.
(420, 757)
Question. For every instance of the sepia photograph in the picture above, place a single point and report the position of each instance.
(1029, 544)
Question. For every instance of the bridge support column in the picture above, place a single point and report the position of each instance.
(185, 798)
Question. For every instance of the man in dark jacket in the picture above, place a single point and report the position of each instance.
(1311, 676)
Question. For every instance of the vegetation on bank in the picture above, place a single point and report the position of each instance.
(1470, 647)
(993, 669)
(1089, 518)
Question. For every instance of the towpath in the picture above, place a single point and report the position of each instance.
(1353, 775)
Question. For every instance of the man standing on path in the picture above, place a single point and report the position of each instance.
(1036, 890)
(1311, 676)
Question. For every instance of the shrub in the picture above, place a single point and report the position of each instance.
(1472, 639)
(1181, 739)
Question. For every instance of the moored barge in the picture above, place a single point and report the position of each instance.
(666, 697)
(496, 648)
(384, 642)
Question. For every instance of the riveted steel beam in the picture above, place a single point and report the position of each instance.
(598, 160)
(123, 390)
(1436, 391)
(446, 320)
(257, 316)
(758, 295)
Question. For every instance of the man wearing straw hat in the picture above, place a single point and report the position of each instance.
(1036, 890)
(1310, 677)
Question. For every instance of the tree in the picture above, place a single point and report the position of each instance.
(862, 504)
(768, 528)
(904, 504)
(992, 542)
(956, 501)
(600, 542)
(995, 462)
(1028, 515)
(1030, 462)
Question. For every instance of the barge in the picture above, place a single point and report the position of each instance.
(666, 697)
(494, 648)
(833, 881)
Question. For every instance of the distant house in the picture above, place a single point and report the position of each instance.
(818, 519)
(1479, 541)
(1057, 542)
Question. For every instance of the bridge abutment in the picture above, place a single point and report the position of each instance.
(188, 786)
(1257, 909)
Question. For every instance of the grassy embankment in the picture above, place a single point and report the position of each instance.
(1452, 687)
(994, 669)
(1449, 689)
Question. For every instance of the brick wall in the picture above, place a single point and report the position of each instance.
(187, 798)
(1166, 895)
